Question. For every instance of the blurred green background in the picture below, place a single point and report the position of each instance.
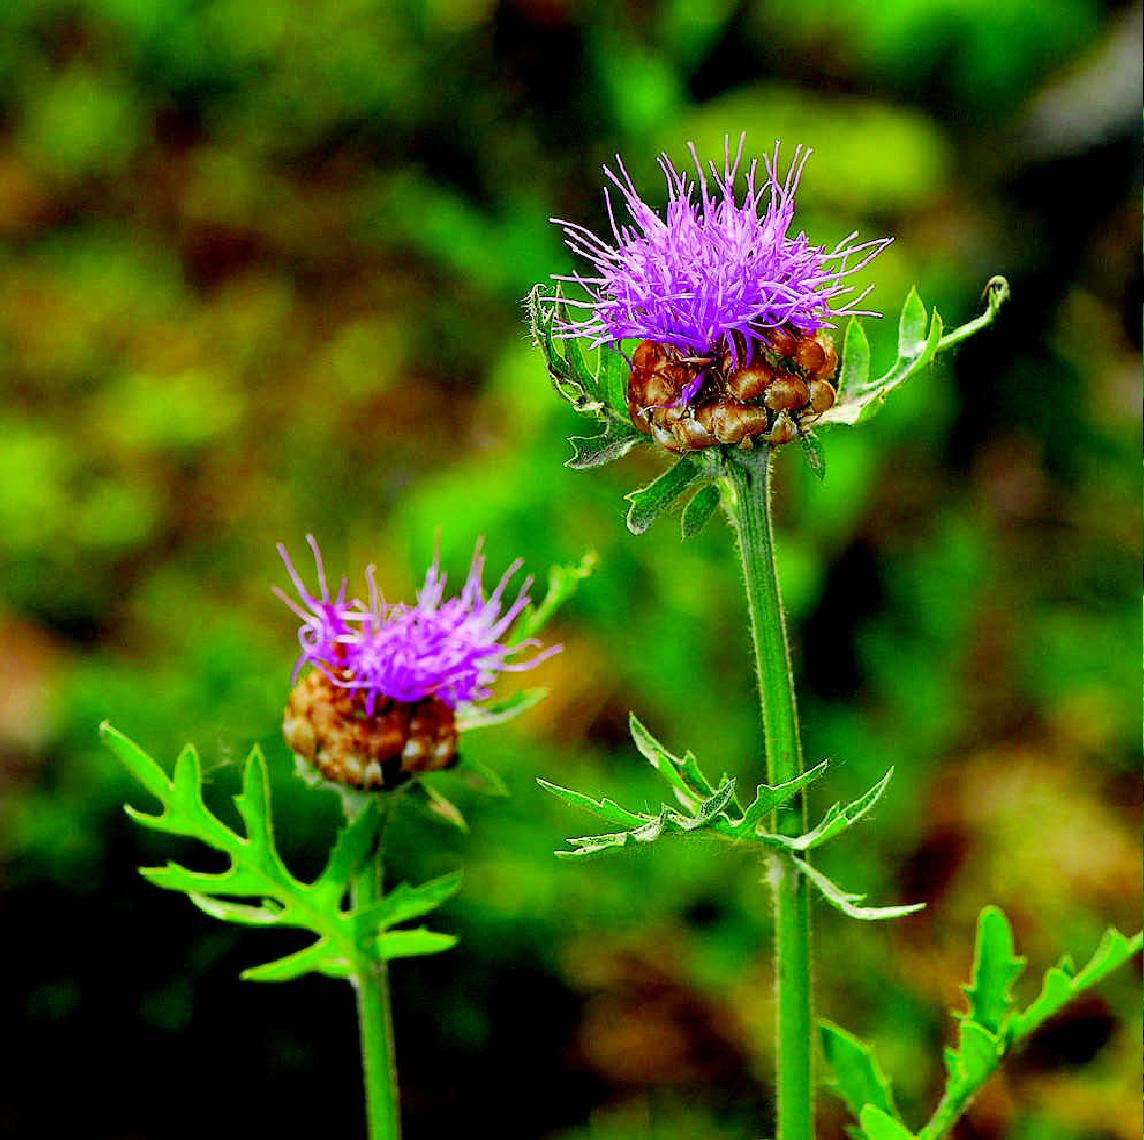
(262, 275)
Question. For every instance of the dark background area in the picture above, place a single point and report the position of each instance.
(262, 269)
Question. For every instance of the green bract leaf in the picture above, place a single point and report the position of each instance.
(346, 938)
(698, 512)
(497, 712)
(876, 1125)
(854, 373)
(847, 902)
(601, 394)
(837, 819)
(916, 348)
(858, 1078)
(648, 503)
(995, 969)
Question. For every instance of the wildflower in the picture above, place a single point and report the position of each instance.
(723, 302)
(379, 703)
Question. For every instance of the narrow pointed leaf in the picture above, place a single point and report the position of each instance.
(767, 799)
(498, 712)
(682, 773)
(1060, 987)
(997, 293)
(847, 902)
(858, 1078)
(413, 943)
(269, 914)
(607, 810)
(315, 959)
(648, 503)
(137, 762)
(838, 819)
(696, 515)
(597, 450)
(995, 969)
(854, 373)
(405, 902)
(441, 808)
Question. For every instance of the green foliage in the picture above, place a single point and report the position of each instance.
(711, 808)
(987, 1031)
(347, 938)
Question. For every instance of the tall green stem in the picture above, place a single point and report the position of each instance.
(748, 505)
(375, 1022)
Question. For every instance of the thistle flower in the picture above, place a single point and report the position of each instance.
(712, 267)
(379, 704)
(722, 300)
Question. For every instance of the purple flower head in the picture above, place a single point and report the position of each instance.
(451, 649)
(712, 266)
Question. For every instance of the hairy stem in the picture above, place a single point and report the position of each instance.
(747, 501)
(375, 1023)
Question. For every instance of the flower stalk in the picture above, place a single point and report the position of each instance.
(370, 980)
(747, 502)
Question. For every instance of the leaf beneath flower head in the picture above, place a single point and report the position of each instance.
(859, 397)
(649, 502)
(696, 515)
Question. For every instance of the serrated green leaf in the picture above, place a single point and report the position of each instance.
(1061, 986)
(877, 1125)
(607, 810)
(858, 1078)
(256, 873)
(847, 901)
(837, 819)
(413, 943)
(854, 372)
(768, 798)
(651, 828)
(681, 772)
(649, 502)
(995, 969)
(696, 515)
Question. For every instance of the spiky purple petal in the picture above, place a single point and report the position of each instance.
(450, 649)
(711, 266)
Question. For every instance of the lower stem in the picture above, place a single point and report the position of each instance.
(375, 1022)
(748, 505)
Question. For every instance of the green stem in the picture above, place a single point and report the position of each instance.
(375, 1022)
(748, 505)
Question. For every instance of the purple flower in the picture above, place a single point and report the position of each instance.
(711, 266)
(451, 649)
